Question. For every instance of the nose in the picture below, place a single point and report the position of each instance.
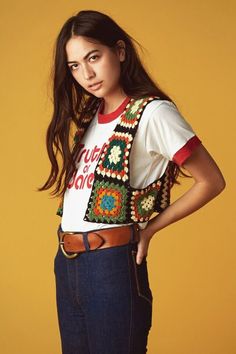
(88, 72)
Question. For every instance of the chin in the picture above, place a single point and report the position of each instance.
(99, 94)
(93, 94)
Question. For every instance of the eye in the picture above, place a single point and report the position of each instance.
(94, 56)
(71, 67)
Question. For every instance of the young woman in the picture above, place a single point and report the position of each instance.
(122, 143)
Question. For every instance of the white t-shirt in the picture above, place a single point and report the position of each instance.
(163, 134)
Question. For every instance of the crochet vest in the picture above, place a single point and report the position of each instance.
(113, 200)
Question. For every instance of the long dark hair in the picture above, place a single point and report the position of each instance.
(72, 103)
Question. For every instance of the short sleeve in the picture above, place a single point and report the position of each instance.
(169, 134)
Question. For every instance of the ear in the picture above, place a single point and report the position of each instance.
(121, 49)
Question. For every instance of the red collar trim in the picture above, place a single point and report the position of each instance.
(106, 118)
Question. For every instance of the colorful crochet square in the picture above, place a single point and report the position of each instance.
(132, 114)
(109, 202)
(114, 159)
(143, 202)
(130, 117)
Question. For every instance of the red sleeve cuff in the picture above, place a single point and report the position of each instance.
(185, 151)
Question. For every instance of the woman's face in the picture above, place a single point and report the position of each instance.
(91, 63)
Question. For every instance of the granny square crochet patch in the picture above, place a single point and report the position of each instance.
(114, 159)
(108, 202)
(143, 202)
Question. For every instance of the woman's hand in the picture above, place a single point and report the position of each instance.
(145, 238)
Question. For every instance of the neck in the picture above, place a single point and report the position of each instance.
(111, 103)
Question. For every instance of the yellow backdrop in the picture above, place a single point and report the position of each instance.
(190, 51)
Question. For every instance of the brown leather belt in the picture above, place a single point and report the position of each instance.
(78, 242)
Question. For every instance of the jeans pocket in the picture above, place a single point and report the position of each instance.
(141, 278)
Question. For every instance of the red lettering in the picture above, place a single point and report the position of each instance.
(80, 153)
(103, 147)
(82, 181)
(95, 153)
(87, 155)
(90, 154)
(90, 180)
(79, 182)
(86, 168)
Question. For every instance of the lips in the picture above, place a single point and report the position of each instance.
(93, 85)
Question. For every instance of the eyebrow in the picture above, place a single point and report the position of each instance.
(85, 57)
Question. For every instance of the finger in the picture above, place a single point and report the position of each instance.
(139, 259)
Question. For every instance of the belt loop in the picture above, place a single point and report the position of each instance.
(85, 239)
(132, 233)
(137, 230)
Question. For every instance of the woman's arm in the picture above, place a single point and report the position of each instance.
(209, 182)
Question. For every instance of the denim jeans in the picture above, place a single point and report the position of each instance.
(104, 301)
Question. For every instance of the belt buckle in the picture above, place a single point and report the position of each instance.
(61, 243)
